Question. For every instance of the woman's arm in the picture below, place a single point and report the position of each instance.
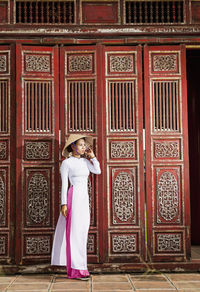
(94, 165)
(64, 170)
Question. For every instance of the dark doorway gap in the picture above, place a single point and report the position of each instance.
(193, 87)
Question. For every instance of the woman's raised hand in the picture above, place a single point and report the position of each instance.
(89, 153)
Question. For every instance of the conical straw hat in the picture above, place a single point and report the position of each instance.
(72, 138)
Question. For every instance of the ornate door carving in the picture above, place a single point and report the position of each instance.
(124, 154)
(102, 92)
(37, 151)
(97, 90)
(7, 154)
(168, 213)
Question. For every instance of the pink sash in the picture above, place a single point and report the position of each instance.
(72, 273)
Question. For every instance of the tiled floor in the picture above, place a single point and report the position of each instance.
(181, 282)
(195, 252)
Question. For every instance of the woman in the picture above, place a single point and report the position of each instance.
(70, 240)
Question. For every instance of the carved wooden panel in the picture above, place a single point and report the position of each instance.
(123, 201)
(122, 100)
(4, 105)
(37, 63)
(168, 189)
(4, 188)
(4, 149)
(121, 63)
(37, 245)
(169, 242)
(38, 106)
(167, 152)
(167, 149)
(165, 62)
(37, 151)
(76, 63)
(92, 199)
(7, 146)
(166, 103)
(4, 62)
(92, 244)
(124, 243)
(3, 245)
(81, 99)
(124, 157)
(125, 149)
(38, 190)
(154, 12)
(45, 12)
(80, 90)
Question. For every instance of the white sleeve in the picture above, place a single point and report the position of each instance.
(64, 170)
(94, 166)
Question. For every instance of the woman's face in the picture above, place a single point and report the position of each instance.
(80, 146)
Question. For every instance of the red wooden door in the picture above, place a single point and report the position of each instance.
(7, 153)
(123, 154)
(80, 112)
(168, 206)
(37, 151)
(101, 95)
(98, 90)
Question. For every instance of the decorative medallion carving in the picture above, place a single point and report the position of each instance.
(37, 63)
(167, 197)
(38, 245)
(2, 202)
(121, 63)
(3, 63)
(169, 242)
(167, 149)
(91, 243)
(3, 150)
(121, 149)
(124, 243)
(123, 197)
(165, 62)
(38, 200)
(80, 63)
(37, 150)
(2, 245)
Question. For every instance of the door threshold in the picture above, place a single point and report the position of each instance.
(188, 266)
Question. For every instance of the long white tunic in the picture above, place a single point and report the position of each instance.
(77, 171)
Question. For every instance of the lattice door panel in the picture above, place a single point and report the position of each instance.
(124, 154)
(7, 155)
(78, 110)
(167, 153)
(37, 150)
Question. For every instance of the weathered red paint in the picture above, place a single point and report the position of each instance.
(103, 229)
(165, 224)
(30, 130)
(119, 132)
(7, 162)
(95, 13)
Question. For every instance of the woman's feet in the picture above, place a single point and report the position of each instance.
(84, 278)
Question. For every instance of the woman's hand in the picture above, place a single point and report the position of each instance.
(89, 153)
(64, 210)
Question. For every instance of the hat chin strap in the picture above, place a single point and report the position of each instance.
(76, 149)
